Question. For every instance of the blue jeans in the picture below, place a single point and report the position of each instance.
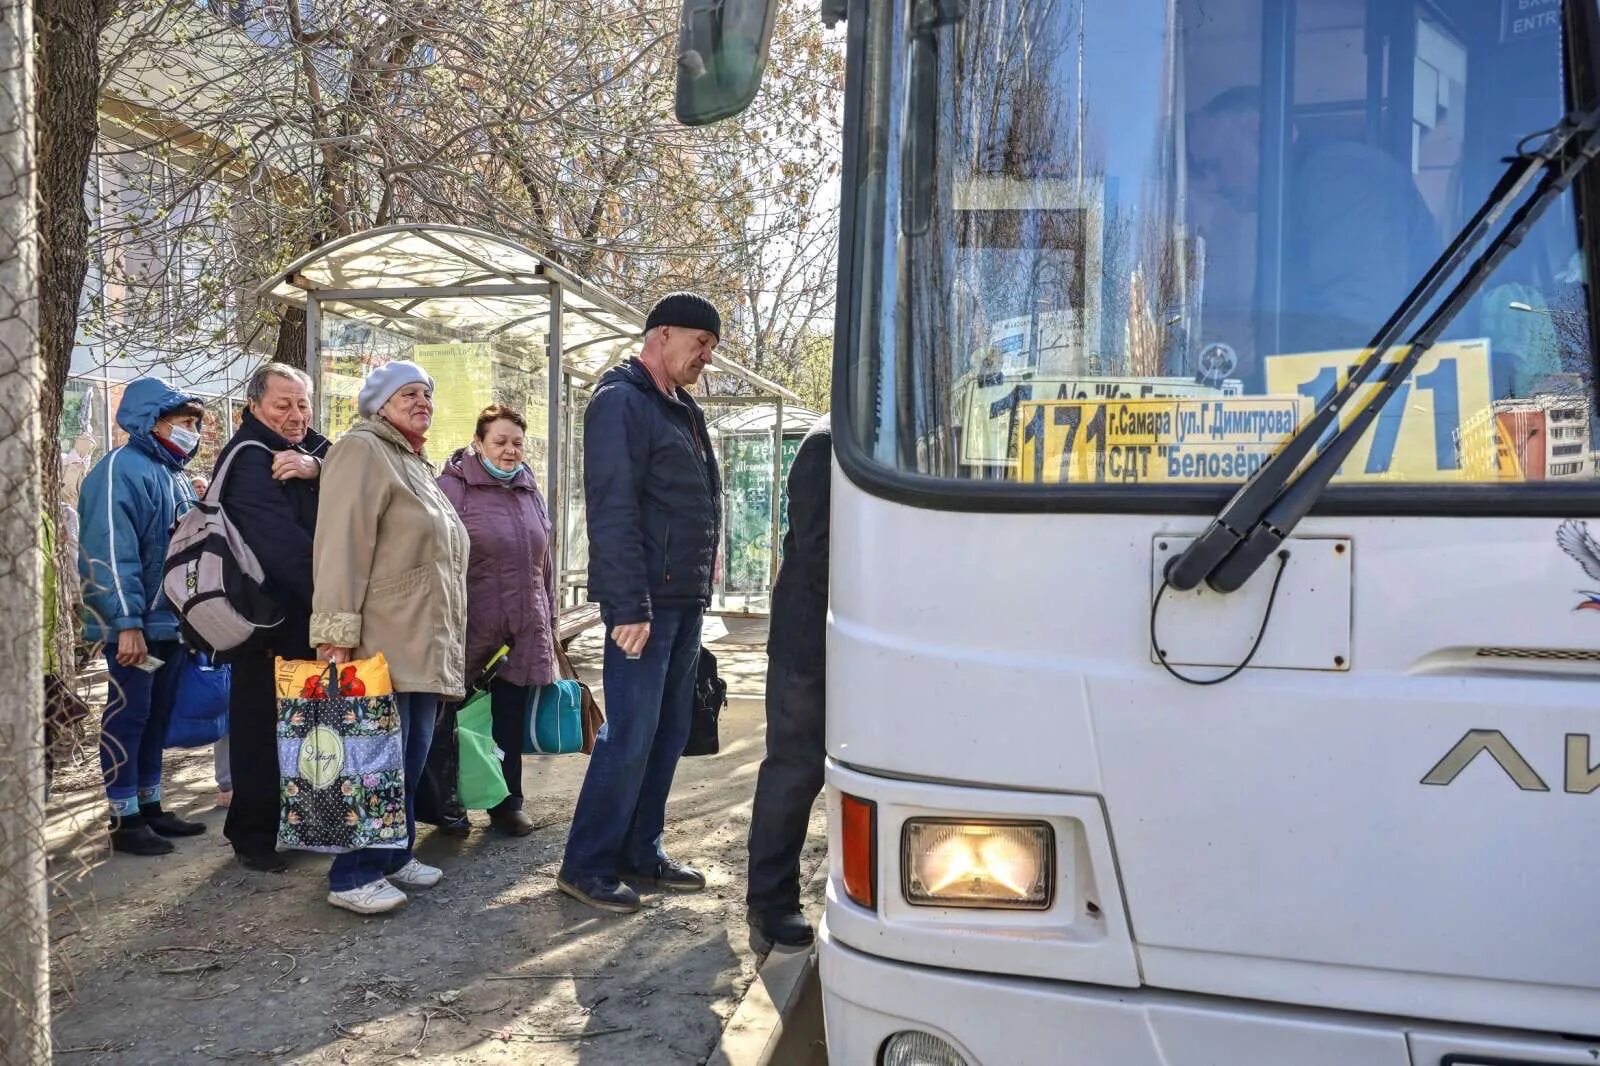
(133, 731)
(362, 867)
(622, 808)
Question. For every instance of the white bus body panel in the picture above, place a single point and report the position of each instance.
(1272, 837)
(1008, 1021)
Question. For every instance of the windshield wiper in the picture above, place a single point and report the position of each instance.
(1265, 510)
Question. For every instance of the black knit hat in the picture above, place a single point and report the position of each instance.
(687, 310)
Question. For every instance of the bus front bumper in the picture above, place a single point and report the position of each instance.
(1007, 1021)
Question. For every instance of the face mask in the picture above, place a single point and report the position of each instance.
(186, 439)
(503, 475)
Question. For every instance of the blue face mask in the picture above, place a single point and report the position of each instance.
(186, 439)
(500, 475)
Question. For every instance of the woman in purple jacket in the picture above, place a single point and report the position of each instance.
(510, 583)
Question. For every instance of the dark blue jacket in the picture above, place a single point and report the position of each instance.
(653, 496)
(277, 520)
(126, 510)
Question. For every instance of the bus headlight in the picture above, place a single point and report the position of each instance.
(954, 863)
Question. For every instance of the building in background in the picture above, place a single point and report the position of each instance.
(1548, 434)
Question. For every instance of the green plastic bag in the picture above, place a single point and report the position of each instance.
(480, 780)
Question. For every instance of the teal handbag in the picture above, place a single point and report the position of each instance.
(553, 721)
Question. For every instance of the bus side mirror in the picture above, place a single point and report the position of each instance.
(722, 54)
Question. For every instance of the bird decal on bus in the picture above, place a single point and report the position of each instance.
(1576, 540)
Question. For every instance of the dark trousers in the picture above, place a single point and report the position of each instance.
(365, 865)
(252, 822)
(622, 808)
(133, 730)
(437, 802)
(787, 785)
(508, 706)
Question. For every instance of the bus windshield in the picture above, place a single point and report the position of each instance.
(1162, 231)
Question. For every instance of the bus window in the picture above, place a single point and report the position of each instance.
(1163, 232)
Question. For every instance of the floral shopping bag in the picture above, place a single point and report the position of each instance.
(340, 763)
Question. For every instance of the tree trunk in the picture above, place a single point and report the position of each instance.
(292, 338)
(24, 946)
(67, 113)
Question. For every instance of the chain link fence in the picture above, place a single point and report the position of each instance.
(24, 928)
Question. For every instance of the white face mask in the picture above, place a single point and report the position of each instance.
(185, 439)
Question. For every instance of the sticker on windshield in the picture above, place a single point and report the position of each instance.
(1217, 362)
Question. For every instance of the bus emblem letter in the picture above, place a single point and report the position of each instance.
(1501, 751)
(1582, 778)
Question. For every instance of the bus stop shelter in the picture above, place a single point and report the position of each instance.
(492, 321)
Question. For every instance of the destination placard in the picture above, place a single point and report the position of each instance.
(989, 406)
(1152, 441)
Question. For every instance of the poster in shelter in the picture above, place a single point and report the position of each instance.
(463, 385)
(748, 498)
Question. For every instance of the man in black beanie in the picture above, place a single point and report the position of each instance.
(653, 497)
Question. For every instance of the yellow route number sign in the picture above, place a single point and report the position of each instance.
(1438, 426)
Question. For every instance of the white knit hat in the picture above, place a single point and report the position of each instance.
(385, 381)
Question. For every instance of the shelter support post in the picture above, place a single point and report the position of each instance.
(313, 363)
(553, 439)
(777, 493)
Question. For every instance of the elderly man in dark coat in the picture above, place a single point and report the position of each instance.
(653, 497)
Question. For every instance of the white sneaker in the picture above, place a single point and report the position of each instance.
(379, 897)
(416, 874)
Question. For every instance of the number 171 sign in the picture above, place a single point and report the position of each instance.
(1439, 425)
(1426, 432)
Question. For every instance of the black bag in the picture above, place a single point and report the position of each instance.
(437, 803)
(710, 694)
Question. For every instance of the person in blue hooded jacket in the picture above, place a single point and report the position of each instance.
(129, 502)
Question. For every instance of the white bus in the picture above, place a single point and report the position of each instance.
(1375, 840)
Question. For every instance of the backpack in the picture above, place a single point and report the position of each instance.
(212, 578)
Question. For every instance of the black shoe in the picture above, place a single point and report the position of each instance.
(265, 862)
(169, 825)
(131, 836)
(602, 893)
(453, 827)
(449, 818)
(783, 930)
(512, 822)
(670, 877)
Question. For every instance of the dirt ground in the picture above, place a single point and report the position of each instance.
(188, 958)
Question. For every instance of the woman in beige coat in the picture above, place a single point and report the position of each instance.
(389, 573)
